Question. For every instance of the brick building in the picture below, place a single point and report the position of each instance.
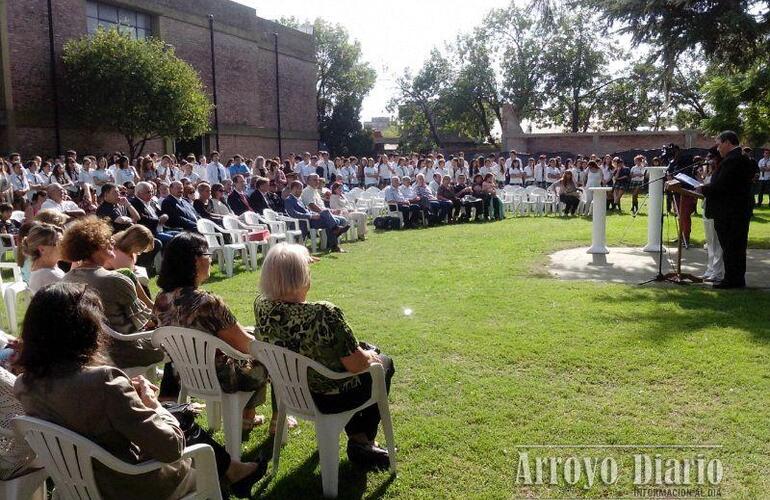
(244, 53)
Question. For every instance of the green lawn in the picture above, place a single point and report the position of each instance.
(497, 354)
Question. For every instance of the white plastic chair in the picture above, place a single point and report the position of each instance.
(276, 225)
(134, 371)
(8, 244)
(225, 252)
(28, 486)
(11, 292)
(240, 232)
(288, 377)
(68, 458)
(192, 352)
(18, 216)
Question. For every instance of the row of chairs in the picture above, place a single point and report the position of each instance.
(68, 458)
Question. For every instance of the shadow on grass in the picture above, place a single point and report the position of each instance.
(304, 481)
(695, 308)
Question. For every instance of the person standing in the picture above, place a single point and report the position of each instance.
(764, 177)
(729, 199)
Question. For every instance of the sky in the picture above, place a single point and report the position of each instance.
(394, 34)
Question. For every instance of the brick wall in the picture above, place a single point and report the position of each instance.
(245, 70)
(604, 142)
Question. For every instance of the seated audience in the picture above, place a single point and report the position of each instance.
(323, 219)
(35, 205)
(219, 200)
(569, 193)
(149, 212)
(237, 199)
(181, 214)
(116, 208)
(65, 358)
(465, 195)
(339, 203)
(319, 331)
(396, 200)
(428, 200)
(89, 243)
(259, 200)
(41, 245)
(205, 205)
(490, 189)
(186, 266)
(56, 201)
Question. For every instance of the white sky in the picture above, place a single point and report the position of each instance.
(394, 34)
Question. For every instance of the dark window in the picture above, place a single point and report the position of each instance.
(133, 23)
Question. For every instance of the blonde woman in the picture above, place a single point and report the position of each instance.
(318, 330)
(41, 245)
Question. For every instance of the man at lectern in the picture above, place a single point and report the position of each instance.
(731, 203)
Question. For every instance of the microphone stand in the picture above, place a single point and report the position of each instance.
(674, 277)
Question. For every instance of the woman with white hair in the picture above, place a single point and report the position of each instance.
(318, 330)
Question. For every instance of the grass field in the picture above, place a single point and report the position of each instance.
(497, 355)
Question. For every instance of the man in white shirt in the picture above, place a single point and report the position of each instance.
(539, 173)
(325, 167)
(308, 168)
(215, 171)
(20, 186)
(436, 182)
(371, 175)
(397, 201)
(57, 202)
(311, 197)
(513, 158)
(764, 177)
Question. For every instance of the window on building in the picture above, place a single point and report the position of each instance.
(135, 24)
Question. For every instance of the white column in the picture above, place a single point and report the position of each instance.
(655, 211)
(599, 218)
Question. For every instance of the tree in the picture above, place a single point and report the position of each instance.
(575, 70)
(515, 37)
(343, 132)
(344, 78)
(420, 99)
(137, 88)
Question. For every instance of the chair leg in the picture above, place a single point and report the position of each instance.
(232, 415)
(328, 436)
(10, 306)
(183, 396)
(214, 413)
(387, 427)
(229, 255)
(279, 431)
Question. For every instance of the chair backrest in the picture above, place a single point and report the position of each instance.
(66, 456)
(192, 353)
(372, 189)
(207, 230)
(18, 216)
(250, 218)
(16, 271)
(288, 376)
(269, 215)
(230, 222)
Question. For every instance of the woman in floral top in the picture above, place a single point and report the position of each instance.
(318, 330)
(186, 265)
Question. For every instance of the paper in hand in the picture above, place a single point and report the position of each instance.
(688, 180)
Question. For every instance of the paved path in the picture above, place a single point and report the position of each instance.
(632, 265)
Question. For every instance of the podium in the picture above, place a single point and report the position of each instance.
(678, 276)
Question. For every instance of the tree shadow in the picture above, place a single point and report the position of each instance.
(697, 307)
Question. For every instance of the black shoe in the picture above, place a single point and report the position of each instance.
(368, 455)
(242, 488)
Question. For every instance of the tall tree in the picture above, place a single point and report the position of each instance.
(515, 36)
(137, 88)
(575, 69)
(344, 78)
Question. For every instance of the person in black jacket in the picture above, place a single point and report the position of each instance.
(729, 200)
(181, 214)
(237, 198)
(258, 199)
(149, 212)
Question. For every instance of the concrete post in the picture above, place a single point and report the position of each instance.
(599, 218)
(655, 212)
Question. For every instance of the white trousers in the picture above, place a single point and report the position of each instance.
(715, 265)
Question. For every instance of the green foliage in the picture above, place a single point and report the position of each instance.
(738, 106)
(138, 88)
(344, 79)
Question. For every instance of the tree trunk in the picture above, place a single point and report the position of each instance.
(431, 125)
(482, 114)
(575, 122)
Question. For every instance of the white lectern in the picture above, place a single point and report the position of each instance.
(599, 218)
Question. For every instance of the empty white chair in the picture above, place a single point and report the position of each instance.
(240, 233)
(68, 458)
(278, 227)
(254, 225)
(28, 486)
(193, 353)
(8, 244)
(288, 377)
(225, 252)
(18, 216)
(12, 291)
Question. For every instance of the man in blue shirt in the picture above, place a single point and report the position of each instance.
(238, 167)
(334, 225)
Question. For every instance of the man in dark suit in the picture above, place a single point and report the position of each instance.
(181, 214)
(148, 212)
(729, 199)
(258, 199)
(237, 198)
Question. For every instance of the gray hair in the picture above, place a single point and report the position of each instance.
(285, 270)
(143, 187)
